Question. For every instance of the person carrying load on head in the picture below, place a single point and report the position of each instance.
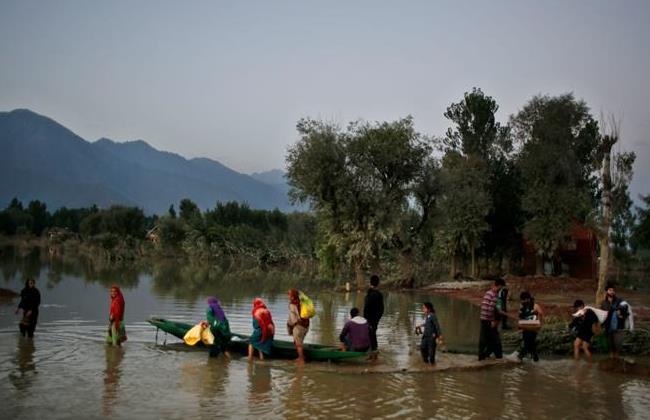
(263, 330)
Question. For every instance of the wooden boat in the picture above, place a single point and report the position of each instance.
(281, 349)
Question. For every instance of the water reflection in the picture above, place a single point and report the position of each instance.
(23, 377)
(259, 387)
(144, 379)
(294, 397)
(112, 374)
(207, 379)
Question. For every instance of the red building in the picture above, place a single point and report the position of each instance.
(577, 257)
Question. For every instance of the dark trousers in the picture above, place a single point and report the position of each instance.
(489, 341)
(27, 330)
(428, 350)
(529, 339)
(373, 334)
(27, 325)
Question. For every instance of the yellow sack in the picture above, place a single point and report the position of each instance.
(193, 336)
(207, 337)
(307, 309)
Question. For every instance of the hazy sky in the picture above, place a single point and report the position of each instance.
(229, 80)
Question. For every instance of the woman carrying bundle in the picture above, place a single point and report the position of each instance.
(297, 327)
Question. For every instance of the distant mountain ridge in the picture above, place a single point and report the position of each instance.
(41, 159)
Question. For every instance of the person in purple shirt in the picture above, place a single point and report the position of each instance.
(355, 334)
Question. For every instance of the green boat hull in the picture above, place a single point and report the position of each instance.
(280, 350)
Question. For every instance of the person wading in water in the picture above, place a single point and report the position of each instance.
(373, 310)
(30, 300)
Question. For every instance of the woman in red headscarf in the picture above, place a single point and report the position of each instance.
(263, 330)
(116, 332)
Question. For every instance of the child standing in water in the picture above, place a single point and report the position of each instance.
(430, 330)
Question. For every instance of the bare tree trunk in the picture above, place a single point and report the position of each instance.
(359, 275)
(452, 266)
(606, 217)
(473, 270)
(407, 270)
(539, 264)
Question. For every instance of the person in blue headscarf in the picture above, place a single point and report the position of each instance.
(219, 327)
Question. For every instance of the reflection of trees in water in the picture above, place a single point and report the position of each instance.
(183, 280)
(259, 387)
(112, 374)
(59, 265)
(327, 310)
(206, 379)
(25, 261)
(294, 401)
(22, 379)
(179, 278)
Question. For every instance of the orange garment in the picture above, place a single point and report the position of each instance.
(263, 316)
(117, 307)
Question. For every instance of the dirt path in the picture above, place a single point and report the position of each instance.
(555, 294)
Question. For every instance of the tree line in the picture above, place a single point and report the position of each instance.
(228, 228)
(388, 198)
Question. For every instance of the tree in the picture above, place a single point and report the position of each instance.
(473, 147)
(171, 212)
(476, 132)
(358, 182)
(465, 205)
(39, 215)
(608, 188)
(622, 217)
(189, 210)
(641, 232)
(558, 141)
(172, 232)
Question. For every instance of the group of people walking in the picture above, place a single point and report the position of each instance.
(614, 317)
(360, 332)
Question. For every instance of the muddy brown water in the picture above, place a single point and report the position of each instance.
(67, 371)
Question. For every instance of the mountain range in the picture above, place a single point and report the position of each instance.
(41, 159)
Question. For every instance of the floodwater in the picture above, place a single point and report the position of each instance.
(67, 371)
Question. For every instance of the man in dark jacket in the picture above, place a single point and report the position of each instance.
(373, 309)
(617, 313)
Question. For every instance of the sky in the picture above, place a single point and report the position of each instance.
(229, 80)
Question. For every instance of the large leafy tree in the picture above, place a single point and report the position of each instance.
(558, 141)
(465, 205)
(358, 181)
(476, 149)
(39, 215)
